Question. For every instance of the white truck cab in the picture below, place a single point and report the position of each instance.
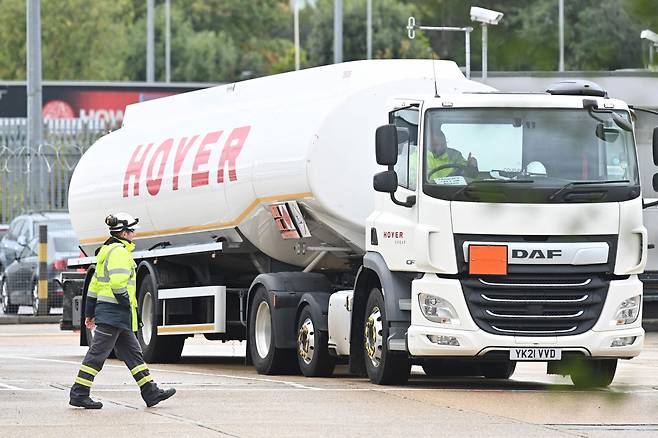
(523, 226)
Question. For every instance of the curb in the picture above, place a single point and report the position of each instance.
(29, 319)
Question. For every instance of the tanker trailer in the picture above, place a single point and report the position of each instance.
(261, 220)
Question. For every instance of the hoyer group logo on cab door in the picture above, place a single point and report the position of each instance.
(172, 152)
(398, 237)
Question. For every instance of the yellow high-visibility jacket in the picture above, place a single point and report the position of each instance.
(112, 295)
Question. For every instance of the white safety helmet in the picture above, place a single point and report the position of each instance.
(536, 168)
(121, 221)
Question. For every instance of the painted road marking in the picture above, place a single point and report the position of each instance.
(160, 370)
(4, 386)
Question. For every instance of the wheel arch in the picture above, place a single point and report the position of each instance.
(318, 303)
(394, 286)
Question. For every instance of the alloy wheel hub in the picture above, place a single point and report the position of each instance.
(373, 336)
(306, 341)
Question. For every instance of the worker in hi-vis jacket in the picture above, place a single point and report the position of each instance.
(111, 308)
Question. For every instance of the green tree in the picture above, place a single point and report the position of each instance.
(389, 34)
(80, 39)
(12, 40)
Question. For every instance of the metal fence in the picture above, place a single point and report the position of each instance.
(36, 177)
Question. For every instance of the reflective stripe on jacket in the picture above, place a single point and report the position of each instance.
(111, 297)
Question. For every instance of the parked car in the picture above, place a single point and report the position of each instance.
(3, 230)
(19, 257)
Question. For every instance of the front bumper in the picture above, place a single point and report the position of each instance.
(474, 341)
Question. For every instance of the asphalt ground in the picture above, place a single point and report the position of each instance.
(217, 395)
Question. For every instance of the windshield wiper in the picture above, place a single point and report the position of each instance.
(584, 183)
(491, 181)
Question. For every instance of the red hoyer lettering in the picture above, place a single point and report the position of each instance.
(394, 234)
(201, 167)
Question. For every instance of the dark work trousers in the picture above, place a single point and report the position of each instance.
(127, 348)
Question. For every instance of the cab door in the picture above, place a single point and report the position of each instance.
(395, 224)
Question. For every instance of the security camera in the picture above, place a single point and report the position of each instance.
(648, 35)
(486, 16)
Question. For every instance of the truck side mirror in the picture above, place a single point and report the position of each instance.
(386, 145)
(655, 148)
(22, 241)
(386, 181)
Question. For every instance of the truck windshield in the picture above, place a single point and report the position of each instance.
(528, 155)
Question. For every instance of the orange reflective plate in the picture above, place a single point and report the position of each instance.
(487, 260)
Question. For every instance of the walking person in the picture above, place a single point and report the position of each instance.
(111, 307)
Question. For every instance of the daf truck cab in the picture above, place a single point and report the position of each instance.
(524, 242)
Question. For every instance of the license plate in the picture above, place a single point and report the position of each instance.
(539, 354)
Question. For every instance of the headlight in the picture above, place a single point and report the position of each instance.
(437, 309)
(628, 311)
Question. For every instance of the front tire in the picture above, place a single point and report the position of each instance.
(266, 357)
(7, 307)
(384, 367)
(597, 373)
(312, 351)
(156, 349)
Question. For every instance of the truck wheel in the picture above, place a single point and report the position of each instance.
(498, 370)
(156, 349)
(596, 373)
(384, 367)
(312, 351)
(7, 307)
(265, 356)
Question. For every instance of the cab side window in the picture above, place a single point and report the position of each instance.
(406, 121)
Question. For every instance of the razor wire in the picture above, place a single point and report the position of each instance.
(53, 161)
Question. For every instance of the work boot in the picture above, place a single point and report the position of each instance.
(85, 402)
(153, 395)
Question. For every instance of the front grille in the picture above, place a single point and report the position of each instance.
(535, 305)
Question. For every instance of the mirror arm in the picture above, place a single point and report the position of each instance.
(649, 204)
(410, 202)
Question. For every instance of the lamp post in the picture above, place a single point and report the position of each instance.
(37, 184)
(369, 29)
(411, 33)
(295, 8)
(167, 41)
(485, 17)
(561, 32)
(150, 44)
(338, 31)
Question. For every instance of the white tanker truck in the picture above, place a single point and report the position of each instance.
(261, 221)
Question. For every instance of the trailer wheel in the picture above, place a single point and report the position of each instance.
(264, 355)
(312, 351)
(156, 349)
(384, 367)
(597, 373)
(498, 370)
